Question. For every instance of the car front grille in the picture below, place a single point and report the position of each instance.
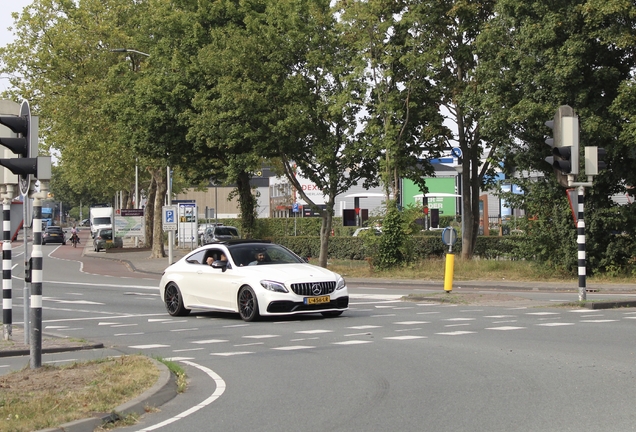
(311, 288)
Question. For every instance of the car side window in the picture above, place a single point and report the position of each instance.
(197, 258)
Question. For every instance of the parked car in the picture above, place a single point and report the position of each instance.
(103, 237)
(53, 234)
(360, 231)
(258, 278)
(218, 232)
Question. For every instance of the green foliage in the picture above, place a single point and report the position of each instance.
(391, 245)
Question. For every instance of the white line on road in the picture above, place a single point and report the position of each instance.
(220, 389)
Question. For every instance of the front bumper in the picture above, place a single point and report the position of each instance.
(288, 306)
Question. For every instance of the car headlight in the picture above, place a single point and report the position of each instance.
(340, 283)
(273, 286)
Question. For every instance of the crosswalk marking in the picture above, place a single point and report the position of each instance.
(456, 333)
(408, 337)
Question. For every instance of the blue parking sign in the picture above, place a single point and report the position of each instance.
(170, 216)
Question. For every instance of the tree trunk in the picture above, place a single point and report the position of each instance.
(149, 212)
(158, 250)
(468, 214)
(247, 204)
(325, 232)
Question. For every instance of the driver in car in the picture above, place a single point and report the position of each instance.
(261, 257)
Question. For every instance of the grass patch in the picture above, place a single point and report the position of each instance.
(476, 269)
(177, 371)
(33, 399)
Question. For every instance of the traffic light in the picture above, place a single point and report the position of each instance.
(594, 160)
(24, 146)
(565, 144)
(20, 145)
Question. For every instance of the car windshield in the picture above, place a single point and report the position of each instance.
(101, 221)
(226, 231)
(262, 253)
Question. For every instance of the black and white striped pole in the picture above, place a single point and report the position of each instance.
(580, 240)
(7, 288)
(36, 279)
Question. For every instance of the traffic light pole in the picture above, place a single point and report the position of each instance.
(580, 240)
(36, 278)
(7, 285)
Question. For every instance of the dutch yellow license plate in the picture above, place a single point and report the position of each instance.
(317, 300)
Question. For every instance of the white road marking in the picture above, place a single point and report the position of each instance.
(505, 328)
(404, 337)
(209, 341)
(294, 347)
(265, 336)
(456, 333)
(352, 342)
(460, 319)
(598, 321)
(184, 329)
(411, 322)
(314, 331)
(364, 327)
(150, 346)
(555, 324)
(219, 390)
(542, 313)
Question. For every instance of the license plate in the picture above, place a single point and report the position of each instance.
(53, 235)
(317, 300)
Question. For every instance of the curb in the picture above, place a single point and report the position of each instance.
(26, 352)
(164, 390)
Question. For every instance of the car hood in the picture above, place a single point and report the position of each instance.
(289, 273)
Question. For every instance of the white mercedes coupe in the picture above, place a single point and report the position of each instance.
(252, 278)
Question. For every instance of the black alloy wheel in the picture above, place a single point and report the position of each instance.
(247, 304)
(174, 301)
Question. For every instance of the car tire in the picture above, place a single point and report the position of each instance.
(174, 301)
(331, 314)
(63, 243)
(247, 304)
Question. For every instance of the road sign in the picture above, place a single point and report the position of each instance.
(295, 208)
(169, 218)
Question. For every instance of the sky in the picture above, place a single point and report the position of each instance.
(6, 20)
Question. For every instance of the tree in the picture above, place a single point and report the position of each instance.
(401, 116)
(421, 61)
(536, 56)
(57, 62)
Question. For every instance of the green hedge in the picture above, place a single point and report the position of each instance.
(423, 246)
(302, 235)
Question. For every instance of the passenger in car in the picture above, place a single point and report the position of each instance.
(211, 259)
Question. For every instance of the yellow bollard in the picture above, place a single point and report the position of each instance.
(448, 272)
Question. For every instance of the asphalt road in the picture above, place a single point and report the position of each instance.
(384, 365)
